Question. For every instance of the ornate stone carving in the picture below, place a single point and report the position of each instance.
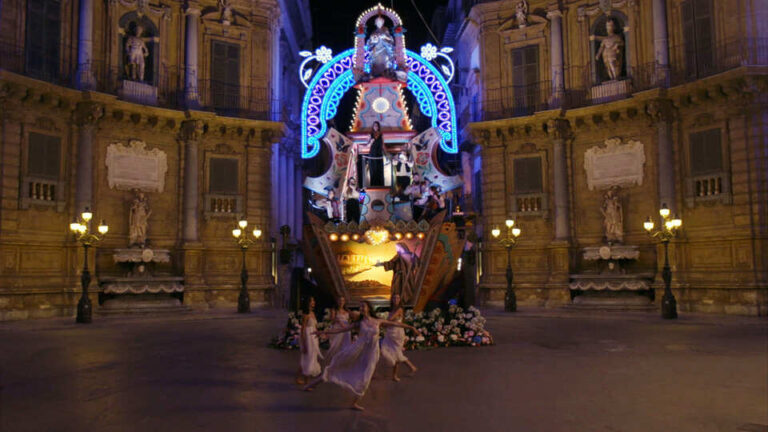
(614, 164)
(134, 167)
(613, 216)
(192, 130)
(659, 110)
(559, 129)
(88, 113)
(521, 13)
(481, 136)
(138, 220)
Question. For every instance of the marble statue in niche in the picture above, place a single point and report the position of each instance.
(227, 16)
(611, 50)
(613, 217)
(138, 220)
(136, 52)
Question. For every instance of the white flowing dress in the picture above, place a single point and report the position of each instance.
(310, 365)
(353, 366)
(339, 341)
(392, 345)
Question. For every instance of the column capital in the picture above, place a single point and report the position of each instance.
(191, 130)
(88, 113)
(191, 8)
(660, 110)
(481, 136)
(559, 128)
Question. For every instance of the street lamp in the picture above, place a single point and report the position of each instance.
(668, 229)
(508, 241)
(80, 227)
(244, 241)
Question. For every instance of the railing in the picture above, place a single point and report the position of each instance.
(163, 86)
(709, 185)
(519, 101)
(223, 205)
(41, 189)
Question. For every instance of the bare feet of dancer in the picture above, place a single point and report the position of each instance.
(356, 405)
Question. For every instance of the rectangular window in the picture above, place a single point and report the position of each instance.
(698, 37)
(44, 156)
(527, 175)
(225, 76)
(525, 80)
(43, 34)
(223, 176)
(706, 152)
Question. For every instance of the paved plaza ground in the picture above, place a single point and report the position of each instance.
(549, 371)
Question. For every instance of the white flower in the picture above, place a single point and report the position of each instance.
(454, 337)
(429, 52)
(419, 338)
(440, 338)
(324, 54)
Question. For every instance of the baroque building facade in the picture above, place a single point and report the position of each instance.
(103, 101)
(662, 102)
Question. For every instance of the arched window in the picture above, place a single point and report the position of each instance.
(43, 27)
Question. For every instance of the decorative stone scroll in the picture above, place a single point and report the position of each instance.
(134, 167)
(615, 164)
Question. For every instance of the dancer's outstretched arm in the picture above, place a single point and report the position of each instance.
(388, 323)
(338, 330)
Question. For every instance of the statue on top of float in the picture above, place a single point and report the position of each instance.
(385, 50)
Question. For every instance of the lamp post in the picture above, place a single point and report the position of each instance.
(508, 241)
(80, 227)
(244, 241)
(668, 229)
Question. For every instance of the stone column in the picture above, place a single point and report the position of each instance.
(661, 112)
(191, 133)
(84, 75)
(299, 191)
(87, 115)
(290, 185)
(660, 42)
(191, 92)
(282, 180)
(556, 57)
(560, 131)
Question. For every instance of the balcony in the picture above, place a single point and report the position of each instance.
(163, 87)
(520, 101)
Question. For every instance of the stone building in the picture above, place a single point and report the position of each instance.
(101, 101)
(659, 101)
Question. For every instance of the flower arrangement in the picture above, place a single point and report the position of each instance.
(289, 339)
(454, 327)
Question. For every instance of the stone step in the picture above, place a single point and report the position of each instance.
(133, 305)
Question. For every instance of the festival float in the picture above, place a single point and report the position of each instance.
(381, 235)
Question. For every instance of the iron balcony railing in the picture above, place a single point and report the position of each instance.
(685, 66)
(163, 86)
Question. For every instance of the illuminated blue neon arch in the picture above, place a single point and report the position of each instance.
(335, 78)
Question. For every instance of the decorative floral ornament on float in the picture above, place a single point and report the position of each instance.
(328, 84)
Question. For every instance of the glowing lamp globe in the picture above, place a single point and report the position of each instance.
(496, 232)
(344, 237)
(103, 227)
(243, 223)
(87, 215)
(74, 226)
(664, 211)
(677, 222)
(333, 237)
(257, 233)
(648, 225)
(509, 223)
(236, 232)
(516, 232)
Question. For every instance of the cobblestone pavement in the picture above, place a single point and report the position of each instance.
(549, 371)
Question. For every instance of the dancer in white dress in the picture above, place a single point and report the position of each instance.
(394, 339)
(309, 344)
(353, 366)
(339, 319)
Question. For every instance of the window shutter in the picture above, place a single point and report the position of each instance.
(43, 27)
(704, 36)
(44, 156)
(689, 37)
(225, 75)
(527, 175)
(223, 176)
(706, 152)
